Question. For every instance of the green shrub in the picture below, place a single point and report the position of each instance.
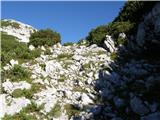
(35, 53)
(9, 23)
(22, 115)
(115, 28)
(28, 93)
(18, 73)
(62, 78)
(114, 56)
(56, 111)
(120, 41)
(47, 52)
(12, 49)
(97, 35)
(71, 110)
(68, 43)
(83, 42)
(64, 55)
(33, 107)
(45, 37)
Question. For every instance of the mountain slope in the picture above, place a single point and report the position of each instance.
(120, 82)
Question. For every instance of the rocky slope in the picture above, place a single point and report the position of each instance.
(82, 82)
(66, 77)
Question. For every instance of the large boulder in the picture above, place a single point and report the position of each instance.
(109, 44)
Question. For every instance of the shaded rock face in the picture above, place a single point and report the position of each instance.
(138, 106)
(148, 34)
(153, 116)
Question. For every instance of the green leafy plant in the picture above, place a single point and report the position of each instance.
(12, 49)
(45, 37)
(68, 44)
(64, 55)
(114, 56)
(28, 93)
(18, 73)
(9, 23)
(97, 35)
(56, 111)
(71, 110)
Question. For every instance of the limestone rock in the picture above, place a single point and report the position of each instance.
(109, 44)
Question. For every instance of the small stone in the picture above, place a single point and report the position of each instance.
(13, 62)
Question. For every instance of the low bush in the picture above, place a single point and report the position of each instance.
(9, 23)
(56, 111)
(68, 43)
(22, 115)
(28, 93)
(45, 37)
(97, 35)
(71, 110)
(12, 49)
(114, 56)
(18, 73)
(64, 55)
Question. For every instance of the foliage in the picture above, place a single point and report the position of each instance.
(56, 111)
(22, 115)
(114, 56)
(9, 23)
(71, 110)
(12, 49)
(64, 55)
(28, 93)
(127, 22)
(17, 73)
(97, 35)
(83, 42)
(47, 52)
(62, 78)
(115, 28)
(45, 37)
(68, 44)
(33, 107)
(134, 10)
(120, 41)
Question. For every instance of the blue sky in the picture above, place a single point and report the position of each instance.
(73, 20)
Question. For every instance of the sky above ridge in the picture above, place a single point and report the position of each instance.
(73, 20)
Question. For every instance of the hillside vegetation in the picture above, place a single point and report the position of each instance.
(12, 49)
(45, 37)
(126, 22)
